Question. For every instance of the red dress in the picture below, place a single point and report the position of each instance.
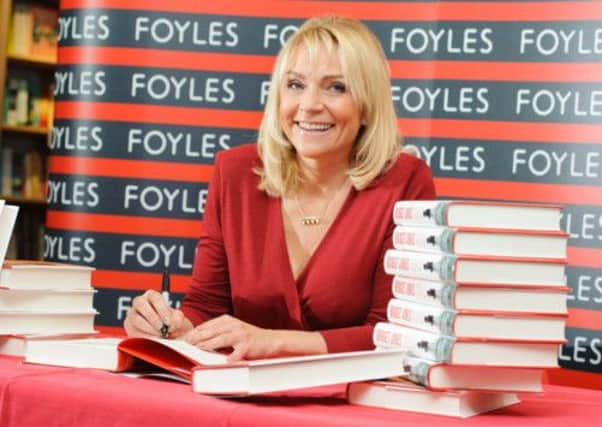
(242, 266)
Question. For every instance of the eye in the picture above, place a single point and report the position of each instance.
(294, 84)
(338, 87)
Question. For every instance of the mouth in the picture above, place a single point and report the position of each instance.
(313, 126)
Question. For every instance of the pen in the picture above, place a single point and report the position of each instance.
(165, 292)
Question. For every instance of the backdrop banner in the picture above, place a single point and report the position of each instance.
(502, 99)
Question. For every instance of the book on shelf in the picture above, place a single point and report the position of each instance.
(494, 297)
(46, 322)
(46, 299)
(475, 269)
(466, 351)
(470, 213)
(16, 344)
(443, 376)
(210, 372)
(44, 33)
(480, 241)
(29, 274)
(477, 324)
(406, 396)
(21, 30)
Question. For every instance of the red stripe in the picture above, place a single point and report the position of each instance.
(122, 224)
(113, 279)
(496, 71)
(518, 191)
(262, 64)
(423, 128)
(584, 319)
(172, 59)
(585, 257)
(502, 130)
(122, 112)
(119, 168)
(465, 11)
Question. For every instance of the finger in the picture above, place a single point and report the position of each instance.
(145, 306)
(239, 353)
(179, 324)
(218, 342)
(202, 334)
(160, 306)
(211, 328)
(137, 326)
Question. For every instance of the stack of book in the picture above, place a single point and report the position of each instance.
(40, 300)
(479, 299)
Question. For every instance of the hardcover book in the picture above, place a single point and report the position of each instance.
(210, 372)
(46, 299)
(16, 344)
(477, 324)
(475, 296)
(443, 376)
(46, 322)
(475, 269)
(466, 351)
(464, 213)
(406, 396)
(23, 274)
(483, 242)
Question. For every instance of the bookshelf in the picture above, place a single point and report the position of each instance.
(27, 63)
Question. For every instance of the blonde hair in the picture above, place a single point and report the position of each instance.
(366, 74)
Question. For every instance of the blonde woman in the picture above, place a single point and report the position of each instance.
(290, 260)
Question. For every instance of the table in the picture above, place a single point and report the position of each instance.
(32, 395)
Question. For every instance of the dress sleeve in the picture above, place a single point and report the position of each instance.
(208, 294)
(420, 187)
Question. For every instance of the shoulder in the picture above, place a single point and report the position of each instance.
(407, 167)
(407, 178)
(238, 156)
(238, 161)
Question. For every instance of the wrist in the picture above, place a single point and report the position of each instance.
(278, 343)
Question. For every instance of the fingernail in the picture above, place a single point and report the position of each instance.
(158, 325)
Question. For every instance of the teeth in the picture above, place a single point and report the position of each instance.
(313, 126)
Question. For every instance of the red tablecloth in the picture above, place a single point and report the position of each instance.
(45, 396)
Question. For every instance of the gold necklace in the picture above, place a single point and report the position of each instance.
(312, 219)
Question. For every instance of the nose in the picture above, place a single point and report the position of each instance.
(310, 100)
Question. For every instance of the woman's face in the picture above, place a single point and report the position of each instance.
(317, 112)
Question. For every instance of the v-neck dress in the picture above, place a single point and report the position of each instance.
(242, 265)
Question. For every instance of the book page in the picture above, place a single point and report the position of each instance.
(188, 350)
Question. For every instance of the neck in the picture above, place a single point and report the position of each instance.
(322, 178)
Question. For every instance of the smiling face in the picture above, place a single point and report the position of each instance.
(317, 111)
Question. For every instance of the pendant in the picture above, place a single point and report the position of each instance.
(310, 220)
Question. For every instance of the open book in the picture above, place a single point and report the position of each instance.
(210, 372)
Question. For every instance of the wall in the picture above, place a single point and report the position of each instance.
(502, 99)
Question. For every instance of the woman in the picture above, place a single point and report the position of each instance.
(290, 260)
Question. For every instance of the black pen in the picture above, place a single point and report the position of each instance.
(165, 293)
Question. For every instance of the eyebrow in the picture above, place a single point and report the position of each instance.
(329, 77)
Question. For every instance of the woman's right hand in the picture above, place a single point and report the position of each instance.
(148, 314)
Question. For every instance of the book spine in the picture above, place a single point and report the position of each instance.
(420, 316)
(416, 370)
(422, 265)
(428, 292)
(429, 239)
(417, 343)
(419, 213)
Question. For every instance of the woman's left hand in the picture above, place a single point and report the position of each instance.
(248, 341)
